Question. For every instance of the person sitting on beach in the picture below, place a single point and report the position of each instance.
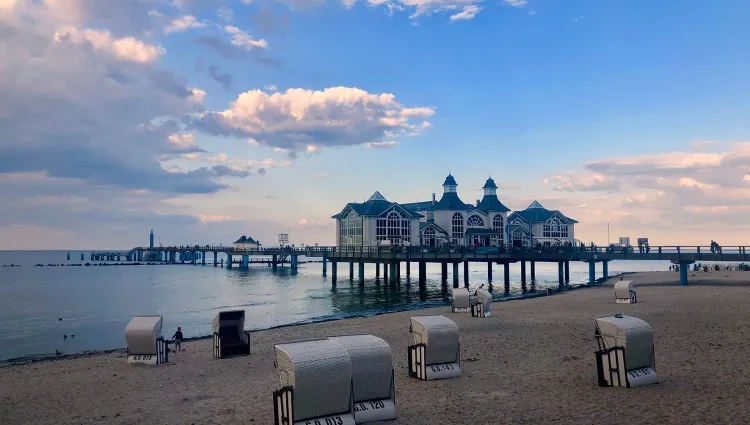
(178, 339)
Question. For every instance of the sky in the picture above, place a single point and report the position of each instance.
(206, 120)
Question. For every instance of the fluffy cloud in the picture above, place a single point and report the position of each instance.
(298, 118)
(183, 23)
(244, 40)
(673, 192)
(467, 13)
(381, 145)
(125, 48)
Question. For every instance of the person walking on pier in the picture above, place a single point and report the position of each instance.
(178, 340)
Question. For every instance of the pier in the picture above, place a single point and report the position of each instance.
(390, 259)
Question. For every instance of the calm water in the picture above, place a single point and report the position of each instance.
(96, 303)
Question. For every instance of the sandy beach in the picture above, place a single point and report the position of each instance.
(531, 363)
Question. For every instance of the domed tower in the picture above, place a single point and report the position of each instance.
(450, 212)
(496, 212)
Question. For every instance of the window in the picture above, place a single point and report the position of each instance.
(555, 229)
(475, 221)
(428, 237)
(394, 228)
(457, 228)
(351, 230)
(498, 226)
(519, 239)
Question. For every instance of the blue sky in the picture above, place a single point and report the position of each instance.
(630, 113)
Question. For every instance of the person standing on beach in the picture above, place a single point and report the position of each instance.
(178, 339)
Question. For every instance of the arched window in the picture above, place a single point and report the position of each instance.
(428, 237)
(519, 239)
(394, 227)
(498, 225)
(475, 221)
(457, 228)
(351, 229)
(555, 229)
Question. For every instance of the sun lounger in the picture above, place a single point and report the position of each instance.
(316, 384)
(626, 352)
(145, 344)
(624, 293)
(436, 350)
(373, 386)
(230, 337)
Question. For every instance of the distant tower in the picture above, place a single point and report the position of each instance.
(151, 239)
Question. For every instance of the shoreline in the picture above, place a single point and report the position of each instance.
(32, 359)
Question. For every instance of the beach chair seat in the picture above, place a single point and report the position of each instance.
(316, 384)
(461, 300)
(481, 308)
(230, 337)
(145, 344)
(373, 383)
(624, 293)
(626, 352)
(436, 352)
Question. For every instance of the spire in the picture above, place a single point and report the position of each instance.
(377, 197)
(535, 204)
(490, 188)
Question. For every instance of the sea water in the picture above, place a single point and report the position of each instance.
(95, 303)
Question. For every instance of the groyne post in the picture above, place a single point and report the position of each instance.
(684, 268)
(523, 277)
(455, 275)
(592, 273)
(466, 273)
(506, 279)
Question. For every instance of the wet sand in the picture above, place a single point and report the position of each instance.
(531, 363)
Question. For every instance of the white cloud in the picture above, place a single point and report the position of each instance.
(515, 3)
(381, 145)
(467, 13)
(225, 14)
(271, 87)
(214, 218)
(182, 141)
(244, 40)
(125, 48)
(183, 23)
(298, 118)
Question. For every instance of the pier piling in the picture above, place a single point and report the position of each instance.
(560, 275)
(489, 271)
(592, 273)
(605, 269)
(408, 270)
(455, 275)
(333, 272)
(385, 272)
(506, 279)
(567, 272)
(466, 273)
(444, 272)
(294, 263)
(523, 277)
(361, 273)
(377, 271)
(351, 270)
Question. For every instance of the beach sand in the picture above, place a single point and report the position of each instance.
(531, 363)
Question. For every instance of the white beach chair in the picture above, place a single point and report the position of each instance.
(481, 308)
(144, 341)
(230, 337)
(461, 300)
(373, 384)
(316, 384)
(436, 353)
(626, 352)
(624, 293)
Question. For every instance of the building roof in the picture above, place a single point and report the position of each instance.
(450, 181)
(536, 213)
(375, 206)
(491, 203)
(418, 206)
(245, 239)
(490, 184)
(430, 223)
(451, 201)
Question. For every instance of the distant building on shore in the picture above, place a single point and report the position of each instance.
(487, 223)
(246, 242)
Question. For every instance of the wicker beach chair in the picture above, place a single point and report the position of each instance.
(230, 337)
(436, 352)
(145, 345)
(373, 384)
(316, 383)
(624, 293)
(626, 352)
(481, 308)
(461, 300)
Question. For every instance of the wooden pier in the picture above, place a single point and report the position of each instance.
(392, 257)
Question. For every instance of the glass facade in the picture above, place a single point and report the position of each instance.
(498, 225)
(555, 229)
(394, 227)
(457, 228)
(351, 230)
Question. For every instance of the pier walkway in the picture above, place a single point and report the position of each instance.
(391, 258)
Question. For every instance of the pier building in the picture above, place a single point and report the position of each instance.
(246, 242)
(488, 222)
